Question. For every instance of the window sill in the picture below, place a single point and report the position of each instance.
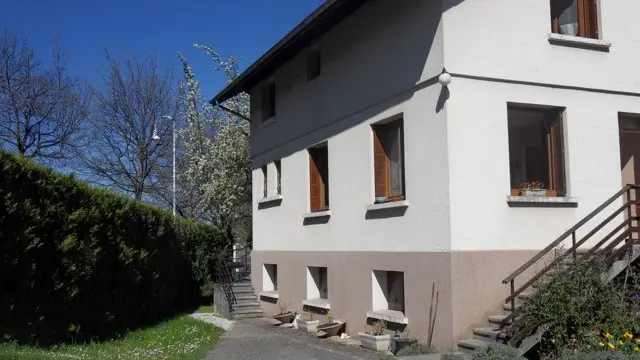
(388, 205)
(393, 316)
(271, 200)
(269, 294)
(317, 303)
(317, 214)
(579, 42)
(542, 201)
(267, 123)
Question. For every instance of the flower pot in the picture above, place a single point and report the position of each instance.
(375, 342)
(310, 326)
(285, 318)
(399, 344)
(534, 192)
(331, 329)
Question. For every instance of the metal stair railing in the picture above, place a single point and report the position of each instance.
(225, 279)
(595, 256)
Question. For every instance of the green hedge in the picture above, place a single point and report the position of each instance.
(79, 263)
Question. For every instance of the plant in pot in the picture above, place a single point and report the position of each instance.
(532, 188)
(331, 327)
(402, 340)
(284, 315)
(374, 338)
(307, 323)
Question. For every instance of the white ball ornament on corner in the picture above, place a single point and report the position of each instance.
(444, 79)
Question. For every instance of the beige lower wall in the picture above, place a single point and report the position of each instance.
(469, 284)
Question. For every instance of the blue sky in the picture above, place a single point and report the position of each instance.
(245, 28)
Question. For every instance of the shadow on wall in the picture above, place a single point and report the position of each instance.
(379, 62)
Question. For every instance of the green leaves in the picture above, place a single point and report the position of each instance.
(71, 254)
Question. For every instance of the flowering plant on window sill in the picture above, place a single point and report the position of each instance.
(532, 188)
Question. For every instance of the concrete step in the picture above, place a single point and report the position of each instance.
(243, 291)
(495, 321)
(246, 314)
(241, 285)
(247, 300)
(470, 345)
(488, 334)
(245, 305)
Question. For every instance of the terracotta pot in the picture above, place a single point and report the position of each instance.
(285, 318)
(331, 329)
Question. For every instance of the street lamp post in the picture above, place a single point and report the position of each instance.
(157, 137)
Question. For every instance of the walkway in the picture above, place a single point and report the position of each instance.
(258, 339)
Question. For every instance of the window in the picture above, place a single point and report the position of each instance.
(278, 177)
(265, 181)
(317, 283)
(268, 100)
(270, 277)
(388, 290)
(536, 150)
(319, 178)
(388, 149)
(575, 17)
(313, 64)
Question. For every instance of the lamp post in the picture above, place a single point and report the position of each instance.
(157, 137)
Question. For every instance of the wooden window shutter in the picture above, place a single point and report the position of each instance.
(556, 152)
(588, 18)
(315, 182)
(380, 165)
(592, 23)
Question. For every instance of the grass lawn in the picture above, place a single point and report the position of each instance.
(205, 309)
(182, 338)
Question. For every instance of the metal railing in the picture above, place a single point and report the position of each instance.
(595, 256)
(229, 271)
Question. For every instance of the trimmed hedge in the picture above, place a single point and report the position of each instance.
(80, 263)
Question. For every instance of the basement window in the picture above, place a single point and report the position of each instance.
(270, 277)
(265, 182)
(536, 151)
(317, 283)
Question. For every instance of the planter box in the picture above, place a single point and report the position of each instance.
(310, 326)
(285, 318)
(331, 329)
(375, 342)
(399, 344)
(534, 192)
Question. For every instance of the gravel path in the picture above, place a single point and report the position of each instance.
(210, 318)
(259, 339)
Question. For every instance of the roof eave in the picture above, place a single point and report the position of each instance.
(317, 23)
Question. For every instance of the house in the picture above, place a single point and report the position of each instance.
(374, 176)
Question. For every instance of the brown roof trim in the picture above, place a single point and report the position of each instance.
(326, 16)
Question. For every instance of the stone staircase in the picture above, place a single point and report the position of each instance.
(247, 304)
(492, 331)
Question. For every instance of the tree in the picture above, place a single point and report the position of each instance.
(217, 144)
(128, 112)
(42, 108)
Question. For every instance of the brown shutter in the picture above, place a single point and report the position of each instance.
(380, 164)
(592, 22)
(557, 158)
(314, 182)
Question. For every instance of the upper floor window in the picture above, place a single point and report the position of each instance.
(268, 100)
(265, 182)
(313, 64)
(319, 178)
(575, 17)
(388, 155)
(278, 165)
(536, 151)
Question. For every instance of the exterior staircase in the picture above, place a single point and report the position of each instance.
(246, 305)
(616, 250)
(233, 295)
